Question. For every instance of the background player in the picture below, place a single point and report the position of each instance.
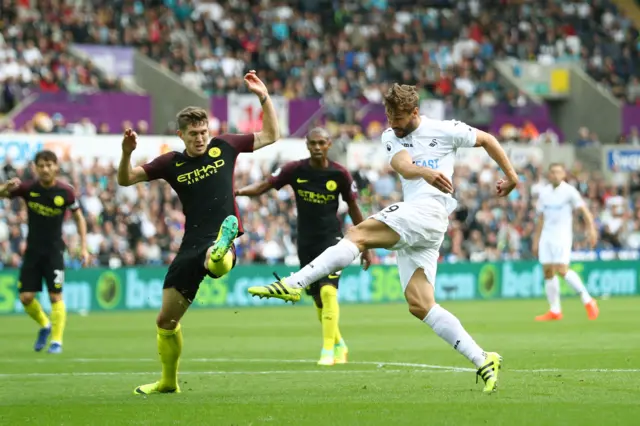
(553, 241)
(316, 182)
(202, 176)
(422, 152)
(47, 200)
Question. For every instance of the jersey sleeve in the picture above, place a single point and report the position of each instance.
(282, 176)
(391, 144)
(158, 167)
(70, 199)
(462, 135)
(576, 199)
(21, 191)
(349, 188)
(539, 205)
(241, 143)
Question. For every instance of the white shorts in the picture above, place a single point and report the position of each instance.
(554, 252)
(421, 228)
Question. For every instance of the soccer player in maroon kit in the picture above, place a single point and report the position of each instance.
(47, 200)
(317, 182)
(202, 177)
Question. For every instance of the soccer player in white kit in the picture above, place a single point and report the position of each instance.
(422, 151)
(553, 241)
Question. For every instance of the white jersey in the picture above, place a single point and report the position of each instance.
(433, 144)
(557, 206)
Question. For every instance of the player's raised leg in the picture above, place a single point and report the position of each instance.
(422, 304)
(219, 250)
(33, 308)
(573, 279)
(552, 288)
(169, 336)
(368, 234)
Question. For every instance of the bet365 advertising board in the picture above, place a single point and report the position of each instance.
(90, 290)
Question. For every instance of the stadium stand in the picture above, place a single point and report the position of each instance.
(144, 224)
(33, 52)
(594, 32)
(343, 55)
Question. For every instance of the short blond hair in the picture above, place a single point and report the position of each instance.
(401, 98)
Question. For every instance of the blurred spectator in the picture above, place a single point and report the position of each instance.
(33, 50)
(144, 224)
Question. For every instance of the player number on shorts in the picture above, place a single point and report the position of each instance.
(392, 208)
(58, 277)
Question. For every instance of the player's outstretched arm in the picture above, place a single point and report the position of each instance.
(535, 244)
(403, 165)
(592, 232)
(254, 189)
(10, 186)
(270, 128)
(128, 175)
(81, 224)
(495, 151)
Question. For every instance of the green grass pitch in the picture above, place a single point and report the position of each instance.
(257, 367)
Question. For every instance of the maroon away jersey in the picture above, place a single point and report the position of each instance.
(317, 193)
(46, 208)
(204, 185)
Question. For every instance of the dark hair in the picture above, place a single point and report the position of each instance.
(320, 131)
(552, 165)
(401, 99)
(191, 116)
(46, 155)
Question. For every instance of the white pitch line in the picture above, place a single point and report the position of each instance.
(204, 373)
(379, 364)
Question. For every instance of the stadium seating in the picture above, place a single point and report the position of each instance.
(341, 55)
(139, 225)
(34, 57)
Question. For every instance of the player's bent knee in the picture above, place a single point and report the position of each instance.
(548, 271)
(562, 270)
(328, 291)
(55, 297)
(420, 309)
(419, 294)
(27, 298)
(420, 303)
(165, 322)
(358, 237)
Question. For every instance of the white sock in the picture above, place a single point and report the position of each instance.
(575, 282)
(448, 327)
(332, 259)
(552, 286)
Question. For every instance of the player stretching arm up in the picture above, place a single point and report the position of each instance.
(202, 176)
(422, 151)
(317, 181)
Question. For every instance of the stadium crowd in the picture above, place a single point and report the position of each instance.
(143, 225)
(34, 55)
(343, 51)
